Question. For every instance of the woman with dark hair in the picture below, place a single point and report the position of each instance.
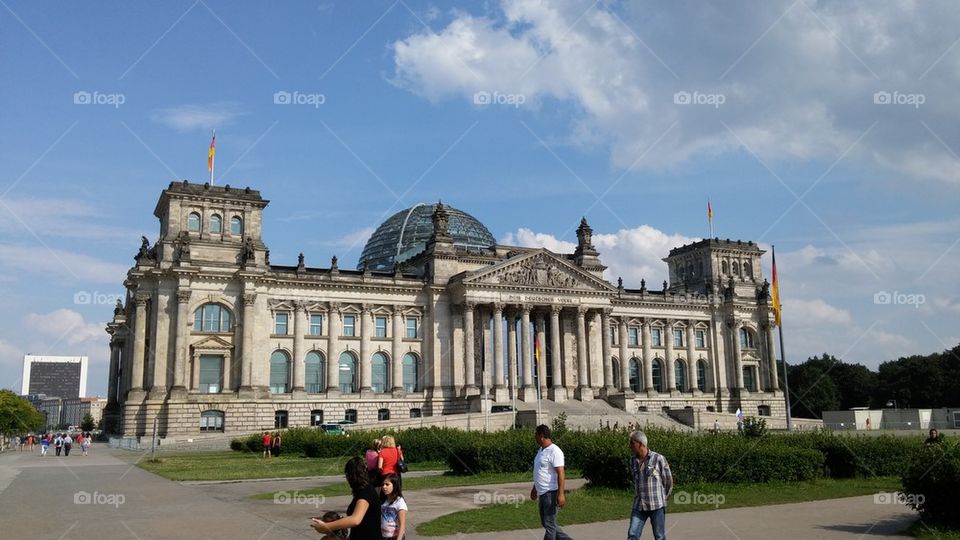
(363, 514)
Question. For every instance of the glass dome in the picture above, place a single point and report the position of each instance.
(406, 233)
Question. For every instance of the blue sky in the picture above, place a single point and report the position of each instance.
(827, 128)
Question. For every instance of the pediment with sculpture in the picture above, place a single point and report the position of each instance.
(540, 269)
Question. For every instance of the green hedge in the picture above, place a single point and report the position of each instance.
(932, 482)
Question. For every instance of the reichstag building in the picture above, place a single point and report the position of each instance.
(215, 337)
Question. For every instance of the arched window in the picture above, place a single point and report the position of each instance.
(316, 417)
(746, 270)
(616, 372)
(350, 415)
(724, 268)
(411, 373)
(348, 373)
(415, 413)
(736, 268)
(657, 375)
(635, 374)
(211, 421)
(702, 376)
(379, 373)
(383, 414)
(212, 318)
(680, 374)
(314, 371)
(236, 226)
(690, 274)
(216, 224)
(193, 222)
(279, 372)
(746, 339)
(281, 419)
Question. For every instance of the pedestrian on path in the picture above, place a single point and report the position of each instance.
(58, 443)
(372, 455)
(652, 485)
(363, 514)
(548, 480)
(87, 439)
(391, 455)
(67, 445)
(44, 444)
(393, 510)
(267, 442)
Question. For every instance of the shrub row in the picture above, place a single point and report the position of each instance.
(931, 484)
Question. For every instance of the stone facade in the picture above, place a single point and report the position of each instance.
(212, 334)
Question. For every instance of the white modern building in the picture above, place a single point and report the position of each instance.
(59, 376)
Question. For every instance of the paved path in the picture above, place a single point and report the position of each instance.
(103, 497)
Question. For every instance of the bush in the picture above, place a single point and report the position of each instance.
(849, 456)
(754, 427)
(932, 482)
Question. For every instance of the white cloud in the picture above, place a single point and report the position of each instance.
(797, 78)
(197, 117)
(355, 238)
(39, 260)
(67, 326)
(817, 310)
(526, 238)
(65, 218)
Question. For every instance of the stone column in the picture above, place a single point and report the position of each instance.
(469, 349)
(624, 357)
(139, 342)
(647, 360)
(692, 361)
(607, 344)
(500, 393)
(528, 392)
(246, 366)
(540, 352)
(737, 355)
(182, 329)
(772, 359)
(159, 370)
(397, 350)
(557, 391)
(671, 370)
(299, 362)
(487, 350)
(584, 392)
(366, 363)
(333, 350)
(512, 353)
(114, 371)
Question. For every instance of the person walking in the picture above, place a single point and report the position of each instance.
(390, 457)
(58, 444)
(372, 456)
(267, 444)
(44, 444)
(548, 480)
(652, 485)
(363, 514)
(87, 439)
(393, 510)
(67, 445)
(275, 445)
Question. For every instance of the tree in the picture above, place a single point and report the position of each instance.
(812, 391)
(88, 423)
(17, 415)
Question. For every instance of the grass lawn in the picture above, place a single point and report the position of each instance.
(232, 465)
(426, 482)
(590, 505)
(922, 532)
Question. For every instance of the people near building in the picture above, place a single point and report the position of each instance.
(30, 441)
(548, 483)
(372, 456)
(87, 439)
(393, 509)
(275, 443)
(67, 444)
(267, 444)
(44, 444)
(58, 444)
(933, 439)
(716, 426)
(652, 485)
(390, 457)
(363, 514)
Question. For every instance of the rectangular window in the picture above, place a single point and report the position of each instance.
(656, 337)
(701, 339)
(412, 328)
(211, 374)
(280, 326)
(678, 337)
(381, 326)
(316, 324)
(748, 381)
(633, 336)
(349, 325)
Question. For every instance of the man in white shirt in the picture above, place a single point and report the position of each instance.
(548, 480)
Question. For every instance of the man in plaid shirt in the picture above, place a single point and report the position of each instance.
(652, 484)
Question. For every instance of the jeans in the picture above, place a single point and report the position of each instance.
(548, 517)
(657, 517)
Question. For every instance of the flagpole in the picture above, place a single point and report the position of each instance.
(783, 358)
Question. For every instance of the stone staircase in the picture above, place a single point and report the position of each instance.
(594, 414)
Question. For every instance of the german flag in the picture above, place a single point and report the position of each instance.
(776, 290)
(213, 144)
